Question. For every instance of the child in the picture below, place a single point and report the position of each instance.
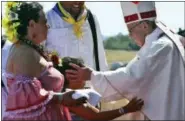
(88, 111)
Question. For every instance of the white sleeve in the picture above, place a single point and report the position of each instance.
(101, 50)
(128, 80)
(50, 36)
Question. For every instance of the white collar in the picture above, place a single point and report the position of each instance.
(149, 39)
(154, 35)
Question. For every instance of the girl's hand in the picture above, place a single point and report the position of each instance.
(79, 74)
(67, 99)
(134, 105)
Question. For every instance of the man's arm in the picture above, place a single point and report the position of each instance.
(89, 112)
(130, 79)
(112, 85)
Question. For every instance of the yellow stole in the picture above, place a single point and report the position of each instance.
(77, 25)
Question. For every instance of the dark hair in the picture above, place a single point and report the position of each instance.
(151, 23)
(26, 12)
(65, 65)
(3, 41)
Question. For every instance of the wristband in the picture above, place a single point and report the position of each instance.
(122, 111)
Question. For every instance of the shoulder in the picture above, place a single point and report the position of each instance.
(93, 15)
(50, 12)
(28, 52)
(90, 11)
(95, 18)
(157, 49)
(32, 56)
(51, 16)
(54, 20)
(25, 58)
(162, 44)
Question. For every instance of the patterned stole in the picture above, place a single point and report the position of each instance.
(77, 24)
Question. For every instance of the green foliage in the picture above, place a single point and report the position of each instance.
(119, 55)
(120, 42)
(181, 32)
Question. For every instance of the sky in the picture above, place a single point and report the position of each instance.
(111, 21)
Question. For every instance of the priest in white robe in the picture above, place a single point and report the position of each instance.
(66, 41)
(70, 34)
(156, 74)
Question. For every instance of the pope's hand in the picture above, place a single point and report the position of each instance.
(79, 74)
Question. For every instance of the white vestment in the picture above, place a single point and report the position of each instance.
(156, 74)
(62, 40)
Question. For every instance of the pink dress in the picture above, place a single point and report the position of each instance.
(3, 99)
(32, 99)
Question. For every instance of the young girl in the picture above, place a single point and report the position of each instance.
(34, 85)
(88, 111)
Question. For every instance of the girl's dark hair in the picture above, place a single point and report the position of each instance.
(65, 65)
(26, 12)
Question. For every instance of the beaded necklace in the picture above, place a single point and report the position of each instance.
(38, 48)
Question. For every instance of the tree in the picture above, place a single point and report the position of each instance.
(120, 42)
